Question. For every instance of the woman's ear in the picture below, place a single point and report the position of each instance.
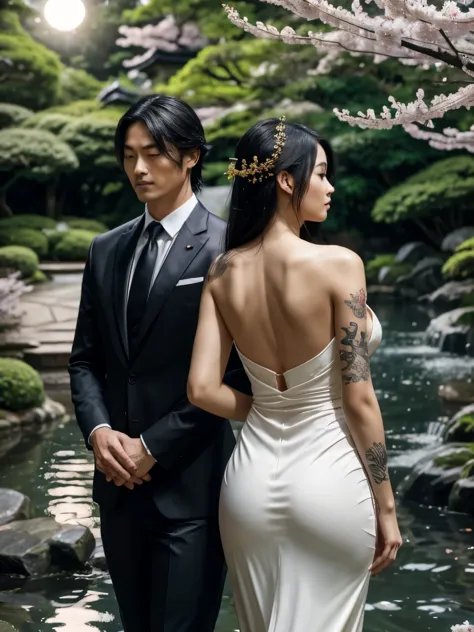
(286, 182)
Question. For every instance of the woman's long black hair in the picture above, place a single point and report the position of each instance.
(253, 205)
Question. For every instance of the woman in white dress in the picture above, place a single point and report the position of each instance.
(307, 512)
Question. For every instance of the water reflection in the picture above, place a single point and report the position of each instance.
(430, 588)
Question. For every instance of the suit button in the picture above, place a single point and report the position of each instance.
(132, 378)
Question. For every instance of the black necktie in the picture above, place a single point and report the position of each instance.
(141, 282)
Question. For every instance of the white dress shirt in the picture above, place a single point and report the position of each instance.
(172, 224)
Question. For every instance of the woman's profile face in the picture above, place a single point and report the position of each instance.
(317, 199)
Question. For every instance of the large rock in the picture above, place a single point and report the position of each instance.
(97, 559)
(13, 506)
(72, 546)
(23, 553)
(425, 277)
(433, 477)
(445, 332)
(32, 547)
(461, 497)
(413, 252)
(34, 419)
(461, 427)
(457, 392)
(456, 238)
(449, 296)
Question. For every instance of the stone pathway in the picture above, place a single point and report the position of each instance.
(48, 322)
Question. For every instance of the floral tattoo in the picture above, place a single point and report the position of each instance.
(358, 304)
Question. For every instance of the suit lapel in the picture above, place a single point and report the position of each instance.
(189, 241)
(123, 256)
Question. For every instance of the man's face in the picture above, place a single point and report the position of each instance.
(152, 174)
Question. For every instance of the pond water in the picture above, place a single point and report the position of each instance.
(430, 588)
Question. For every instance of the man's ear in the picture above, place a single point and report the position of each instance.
(191, 158)
(286, 182)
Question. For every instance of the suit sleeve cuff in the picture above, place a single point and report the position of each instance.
(97, 428)
(145, 445)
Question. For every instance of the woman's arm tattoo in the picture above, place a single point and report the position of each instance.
(358, 304)
(356, 358)
(377, 460)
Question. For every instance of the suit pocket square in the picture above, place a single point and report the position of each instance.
(190, 281)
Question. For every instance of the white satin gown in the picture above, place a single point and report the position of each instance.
(296, 510)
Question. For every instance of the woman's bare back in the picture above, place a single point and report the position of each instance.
(275, 299)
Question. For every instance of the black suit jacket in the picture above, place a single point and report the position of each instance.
(145, 393)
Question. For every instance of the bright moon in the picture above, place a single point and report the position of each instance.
(64, 15)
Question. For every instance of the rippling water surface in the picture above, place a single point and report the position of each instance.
(430, 588)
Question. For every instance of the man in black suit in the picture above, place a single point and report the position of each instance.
(159, 460)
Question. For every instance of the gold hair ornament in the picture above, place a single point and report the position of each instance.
(256, 171)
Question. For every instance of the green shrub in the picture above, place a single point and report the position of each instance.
(77, 108)
(13, 115)
(373, 266)
(38, 222)
(19, 258)
(460, 265)
(37, 277)
(456, 458)
(466, 245)
(214, 173)
(74, 245)
(54, 237)
(28, 237)
(20, 385)
(81, 223)
(53, 122)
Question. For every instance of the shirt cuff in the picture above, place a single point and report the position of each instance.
(97, 428)
(145, 445)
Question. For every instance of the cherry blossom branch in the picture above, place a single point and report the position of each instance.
(449, 140)
(415, 112)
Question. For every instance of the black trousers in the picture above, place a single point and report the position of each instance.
(168, 576)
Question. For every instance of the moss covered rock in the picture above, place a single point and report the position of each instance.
(461, 427)
(373, 267)
(433, 477)
(19, 258)
(21, 386)
(74, 245)
(28, 237)
(461, 497)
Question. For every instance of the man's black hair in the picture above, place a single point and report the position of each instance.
(172, 123)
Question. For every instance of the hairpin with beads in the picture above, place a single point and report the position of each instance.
(256, 171)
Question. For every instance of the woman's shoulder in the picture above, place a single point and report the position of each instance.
(339, 258)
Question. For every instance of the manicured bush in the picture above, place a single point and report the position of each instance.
(82, 223)
(38, 222)
(19, 258)
(28, 237)
(74, 245)
(461, 264)
(21, 386)
(37, 277)
(54, 237)
(373, 266)
(53, 122)
(466, 245)
(12, 115)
